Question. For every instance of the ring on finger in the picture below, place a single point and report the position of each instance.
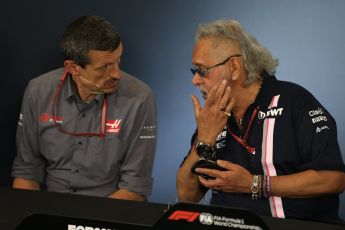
(227, 114)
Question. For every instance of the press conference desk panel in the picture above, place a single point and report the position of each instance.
(16, 205)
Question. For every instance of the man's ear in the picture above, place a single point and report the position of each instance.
(72, 67)
(235, 68)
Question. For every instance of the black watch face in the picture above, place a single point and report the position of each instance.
(205, 151)
(208, 154)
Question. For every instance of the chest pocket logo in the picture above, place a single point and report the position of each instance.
(271, 113)
(113, 126)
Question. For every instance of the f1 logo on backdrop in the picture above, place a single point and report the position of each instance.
(184, 215)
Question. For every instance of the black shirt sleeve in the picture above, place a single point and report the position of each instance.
(316, 134)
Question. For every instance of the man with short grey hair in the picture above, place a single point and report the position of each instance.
(88, 128)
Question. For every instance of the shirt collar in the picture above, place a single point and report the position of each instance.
(263, 99)
(267, 90)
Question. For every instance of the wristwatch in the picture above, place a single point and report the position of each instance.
(205, 151)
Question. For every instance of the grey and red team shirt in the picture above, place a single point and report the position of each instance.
(80, 164)
(291, 132)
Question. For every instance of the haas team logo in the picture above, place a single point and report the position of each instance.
(113, 126)
(46, 117)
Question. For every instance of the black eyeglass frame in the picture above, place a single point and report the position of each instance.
(203, 73)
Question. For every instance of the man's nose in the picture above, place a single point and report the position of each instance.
(197, 79)
(115, 72)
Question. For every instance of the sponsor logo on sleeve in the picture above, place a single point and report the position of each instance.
(148, 132)
(316, 112)
(319, 129)
(318, 119)
(317, 115)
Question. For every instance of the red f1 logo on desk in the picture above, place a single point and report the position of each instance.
(184, 215)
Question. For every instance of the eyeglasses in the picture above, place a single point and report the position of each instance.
(203, 73)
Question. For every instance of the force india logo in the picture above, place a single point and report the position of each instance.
(274, 112)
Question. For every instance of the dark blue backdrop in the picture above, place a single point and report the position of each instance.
(307, 36)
